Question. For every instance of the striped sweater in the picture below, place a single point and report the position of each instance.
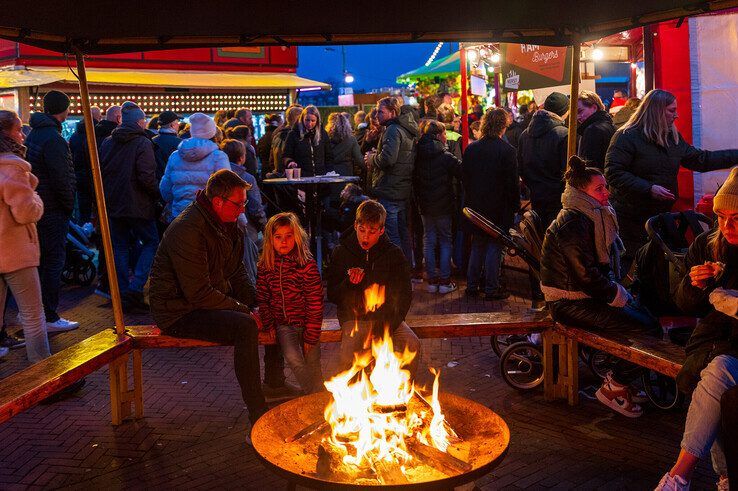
(291, 295)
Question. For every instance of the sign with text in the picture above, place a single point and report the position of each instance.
(532, 66)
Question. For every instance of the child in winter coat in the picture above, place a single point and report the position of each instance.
(289, 292)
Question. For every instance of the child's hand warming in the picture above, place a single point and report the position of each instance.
(356, 275)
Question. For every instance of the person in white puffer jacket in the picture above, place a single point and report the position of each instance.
(190, 166)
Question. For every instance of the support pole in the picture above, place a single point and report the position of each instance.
(648, 59)
(464, 97)
(498, 96)
(102, 212)
(575, 55)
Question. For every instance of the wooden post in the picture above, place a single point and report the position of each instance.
(498, 96)
(574, 94)
(120, 396)
(464, 97)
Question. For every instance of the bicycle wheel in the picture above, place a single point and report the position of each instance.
(521, 366)
(501, 342)
(661, 390)
(601, 363)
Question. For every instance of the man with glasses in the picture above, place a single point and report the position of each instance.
(199, 286)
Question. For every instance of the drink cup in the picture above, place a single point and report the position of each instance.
(289, 173)
(297, 172)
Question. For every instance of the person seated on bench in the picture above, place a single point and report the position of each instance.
(581, 251)
(709, 291)
(364, 257)
(199, 286)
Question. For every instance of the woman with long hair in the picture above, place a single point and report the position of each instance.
(20, 209)
(308, 145)
(595, 128)
(580, 251)
(642, 164)
(347, 158)
(710, 292)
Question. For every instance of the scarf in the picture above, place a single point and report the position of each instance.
(607, 241)
(8, 145)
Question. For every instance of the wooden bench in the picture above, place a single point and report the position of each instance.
(28, 387)
(561, 343)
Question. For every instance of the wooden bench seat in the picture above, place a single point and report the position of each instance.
(28, 387)
(646, 351)
(427, 326)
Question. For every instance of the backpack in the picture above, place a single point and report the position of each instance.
(660, 262)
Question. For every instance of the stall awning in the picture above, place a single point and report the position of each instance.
(446, 66)
(29, 76)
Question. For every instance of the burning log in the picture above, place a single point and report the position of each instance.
(388, 409)
(453, 437)
(331, 467)
(390, 473)
(443, 462)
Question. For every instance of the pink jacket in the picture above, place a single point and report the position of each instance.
(20, 209)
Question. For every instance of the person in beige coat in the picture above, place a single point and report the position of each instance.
(20, 209)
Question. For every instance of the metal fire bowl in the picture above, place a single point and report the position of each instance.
(483, 429)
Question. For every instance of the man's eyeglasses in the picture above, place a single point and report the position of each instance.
(235, 203)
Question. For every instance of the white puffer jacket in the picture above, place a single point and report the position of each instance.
(20, 209)
(188, 170)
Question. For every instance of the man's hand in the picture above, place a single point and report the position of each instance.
(661, 193)
(356, 275)
(368, 158)
(702, 273)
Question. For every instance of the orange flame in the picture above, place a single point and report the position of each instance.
(373, 297)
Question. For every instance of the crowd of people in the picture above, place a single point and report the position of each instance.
(200, 240)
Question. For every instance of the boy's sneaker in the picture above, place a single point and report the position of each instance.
(447, 287)
(672, 483)
(432, 286)
(7, 340)
(61, 325)
(617, 397)
(497, 294)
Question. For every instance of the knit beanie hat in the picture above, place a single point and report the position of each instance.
(202, 126)
(55, 102)
(557, 103)
(131, 113)
(727, 196)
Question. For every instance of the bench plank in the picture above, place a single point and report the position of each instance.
(28, 387)
(646, 351)
(426, 326)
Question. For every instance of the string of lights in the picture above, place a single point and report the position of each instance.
(434, 54)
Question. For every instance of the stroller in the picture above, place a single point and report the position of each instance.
(79, 267)
(521, 355)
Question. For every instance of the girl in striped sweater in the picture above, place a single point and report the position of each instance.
(289, 292)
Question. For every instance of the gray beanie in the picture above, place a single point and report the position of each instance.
(131, 113)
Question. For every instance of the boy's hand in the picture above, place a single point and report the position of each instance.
(356, 275)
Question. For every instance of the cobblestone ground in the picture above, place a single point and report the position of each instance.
(193, 434)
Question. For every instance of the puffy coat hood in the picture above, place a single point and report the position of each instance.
(542, 122)
(43, 120)
(407, 121)
(429, 146)
(127, 132)
(196, 149)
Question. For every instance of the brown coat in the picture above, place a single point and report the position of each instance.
(20, 209)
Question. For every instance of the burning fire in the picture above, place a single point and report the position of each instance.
(376, 415)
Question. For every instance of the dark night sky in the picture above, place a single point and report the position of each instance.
(372, 65)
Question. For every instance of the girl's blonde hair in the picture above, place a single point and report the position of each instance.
(650, 118)
(338, 127)
(302, 244)
(308, 110)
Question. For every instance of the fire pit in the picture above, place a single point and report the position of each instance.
(375, 428)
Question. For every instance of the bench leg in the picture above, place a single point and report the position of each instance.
(121, 397)
(561, 368)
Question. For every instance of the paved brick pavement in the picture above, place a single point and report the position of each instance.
(193, 434)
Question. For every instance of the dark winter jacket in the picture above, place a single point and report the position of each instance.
(347, 158)
(199, 265)
(594, 137)
(128, 169)
(569, 258)
(716, 333)
(255, 212)
(392, 165)
(291, 295)
(383, 264)
(633, 164)
(165, 144)
(276, 160)
(81, 159)
(433, 178)
(490, 179)
(314, 159)
(542, 158)
(51, 161)
(512, 135)
(104, 129)
(621, 117)
(264, 149)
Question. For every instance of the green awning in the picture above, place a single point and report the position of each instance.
(445, 67)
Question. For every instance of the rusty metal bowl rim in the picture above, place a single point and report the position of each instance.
(439, 484)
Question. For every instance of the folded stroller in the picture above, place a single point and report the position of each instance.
(79, 267)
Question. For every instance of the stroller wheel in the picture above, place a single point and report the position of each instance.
(86, 273)
(601, 363)
(521, 366)
(68, 275)
(501, 342)
(662, 390)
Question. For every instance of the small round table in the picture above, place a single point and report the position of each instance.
(315, 183)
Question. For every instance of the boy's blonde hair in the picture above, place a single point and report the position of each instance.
(371, 212)
(302, 244)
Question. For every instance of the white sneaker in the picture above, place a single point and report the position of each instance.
(723, 484)
(61, 325)
(432, 287)
(672, 483)
(447, 288)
